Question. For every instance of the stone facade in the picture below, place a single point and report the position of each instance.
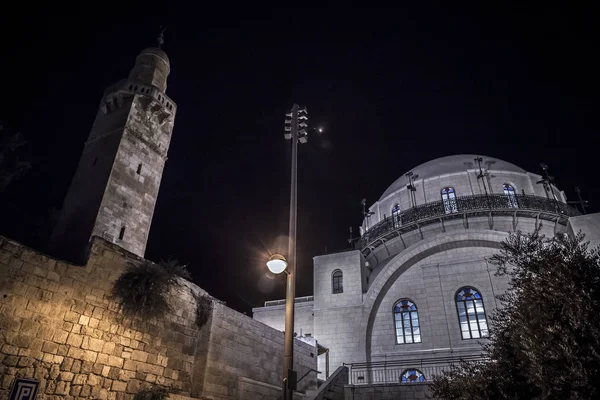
(59, 325)
(274, 316)
(427, 264)
(115, 187)
(414, 391)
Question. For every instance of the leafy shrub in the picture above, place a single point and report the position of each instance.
(142, 289)
(203, 310)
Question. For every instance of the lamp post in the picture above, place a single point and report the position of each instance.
(295, 130)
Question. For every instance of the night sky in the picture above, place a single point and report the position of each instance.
(391, 88)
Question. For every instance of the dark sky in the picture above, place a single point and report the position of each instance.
(392, 88)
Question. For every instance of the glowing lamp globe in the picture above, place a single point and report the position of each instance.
(277, 263)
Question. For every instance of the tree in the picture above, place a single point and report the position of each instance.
(13, 164)
(545, 337)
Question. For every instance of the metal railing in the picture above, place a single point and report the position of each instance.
(297, 300)
(459, 206)
(391, 371)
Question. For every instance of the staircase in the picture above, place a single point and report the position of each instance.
(332, 388)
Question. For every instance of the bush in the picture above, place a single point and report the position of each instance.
(143, 288)
(203, 310)
(545, 338)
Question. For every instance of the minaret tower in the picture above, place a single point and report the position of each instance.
(116, 184)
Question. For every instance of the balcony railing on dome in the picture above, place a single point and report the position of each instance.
(467, 205)
(408, 371)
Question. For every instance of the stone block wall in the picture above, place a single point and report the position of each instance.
(58, 325)
(274, 316)
(239, 344)
(413, 391)
(588, 224)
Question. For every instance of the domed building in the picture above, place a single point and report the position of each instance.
(415, 294)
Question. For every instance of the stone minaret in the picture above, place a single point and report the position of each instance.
(116, 184)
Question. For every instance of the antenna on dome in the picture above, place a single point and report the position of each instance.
(481, 174)
(160, 40)
(412, 189)
(366, 214)
(352, 239)
(548, 181)
(583, 203)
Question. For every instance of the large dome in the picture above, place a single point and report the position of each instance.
(449, 165)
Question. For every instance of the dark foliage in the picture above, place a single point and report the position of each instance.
(203, 310)
(14, 162)
(153, 393)
(545, 338)
(142, 289)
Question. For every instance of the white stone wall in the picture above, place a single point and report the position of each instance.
(431, 284)
(349, 263)
(274, 316)
(589, 225)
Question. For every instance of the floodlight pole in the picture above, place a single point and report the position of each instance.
(288, 347)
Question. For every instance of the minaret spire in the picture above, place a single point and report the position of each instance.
(160, 40)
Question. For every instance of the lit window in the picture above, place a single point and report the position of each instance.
(337, 280)
(509, 192)
(412, 376)
(471, 313)
(449, 199)
(406, 320)
(396, 214)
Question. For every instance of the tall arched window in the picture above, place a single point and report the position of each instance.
(509, 192)
(449, 199)
(412, 375)
(471, 313)
(406, 320)
(396, 214)
(337, 281)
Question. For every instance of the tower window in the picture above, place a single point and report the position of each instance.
(139, 169)
(509, 192)
(337, 281)
(122, 233)
(406, 320)
(449, 200)
(471, 313)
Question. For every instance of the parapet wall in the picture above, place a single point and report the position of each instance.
(58, 325)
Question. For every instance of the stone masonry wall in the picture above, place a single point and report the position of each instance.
(391, 391)
(239, 344)
(59, 326)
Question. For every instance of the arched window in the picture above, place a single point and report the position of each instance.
(412, 375)
(509, 192)
(471, 313)
(396, 214)
(406, 320)
(449, 199)
(337, 281)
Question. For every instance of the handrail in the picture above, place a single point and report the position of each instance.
(465, 204)
(307, 372)
(391, 371)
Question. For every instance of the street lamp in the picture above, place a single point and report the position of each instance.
(295, 130)
(277, 263)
